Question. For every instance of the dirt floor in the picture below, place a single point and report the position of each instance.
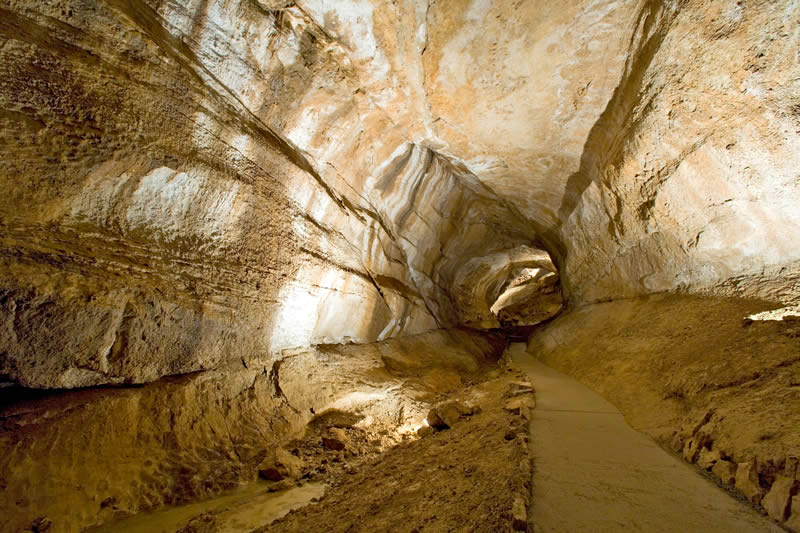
(471, 476)
(464, 478)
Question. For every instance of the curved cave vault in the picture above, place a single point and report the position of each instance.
(221, 219)
(507, 289)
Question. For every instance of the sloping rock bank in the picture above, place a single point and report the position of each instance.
(472, 475)
(701, 379)
(77, 458)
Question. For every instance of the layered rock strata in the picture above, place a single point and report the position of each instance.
(85, 457)
(189, 185)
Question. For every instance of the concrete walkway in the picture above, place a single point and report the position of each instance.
(594, 473)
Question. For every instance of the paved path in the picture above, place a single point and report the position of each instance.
(594, 473)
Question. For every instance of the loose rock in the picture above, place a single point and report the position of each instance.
(793, 522)
(446, 414)
(332, 443)
(747, 481)
(778, 500)
(519, 512)
(708, 458)
(280, 465)
(725, 471)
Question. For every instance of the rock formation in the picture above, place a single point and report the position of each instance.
(195, 191)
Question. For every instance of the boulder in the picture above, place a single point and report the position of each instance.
(521, 406)
(692, 447)
(280, 465)
(519, 513)
(725, 471)
(793, 522)
(335, 418)
(333, 443)
(336, 439)
(706, 459)
(424, 431)
(446, 414)
(516, 388)
(778, 500)
(747, 481)
(41, 525)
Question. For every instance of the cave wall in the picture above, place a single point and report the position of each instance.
(189, 184)
(211, 182)
(689, 179)
(651, 144)
(85, 457)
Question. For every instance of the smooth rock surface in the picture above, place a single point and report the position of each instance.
(211, 180)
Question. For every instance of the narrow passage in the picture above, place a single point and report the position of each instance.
(594, 473)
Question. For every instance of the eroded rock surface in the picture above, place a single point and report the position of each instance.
(199, 194)
(208, 181)
(85, 457)
(189, 185)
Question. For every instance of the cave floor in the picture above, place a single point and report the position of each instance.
(461, 479)
(593, 472)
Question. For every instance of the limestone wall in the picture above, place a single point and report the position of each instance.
(187, 185)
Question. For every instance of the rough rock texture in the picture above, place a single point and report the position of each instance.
(482, 284)
(203, 189)
(444, 481)
(689, 177)
(696, 375)
(208, 182)
(84, 457)
(532, 297)
(653, 144)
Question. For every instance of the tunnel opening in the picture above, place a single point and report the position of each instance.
(511, 290)
(528, 298)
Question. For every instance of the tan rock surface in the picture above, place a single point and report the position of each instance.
(778, 501)
(84, 457)
(793, 523)
(201, 198)
(240, 177)
(223, 190)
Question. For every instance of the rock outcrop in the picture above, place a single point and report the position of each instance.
(194, 191)
(84, 457)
